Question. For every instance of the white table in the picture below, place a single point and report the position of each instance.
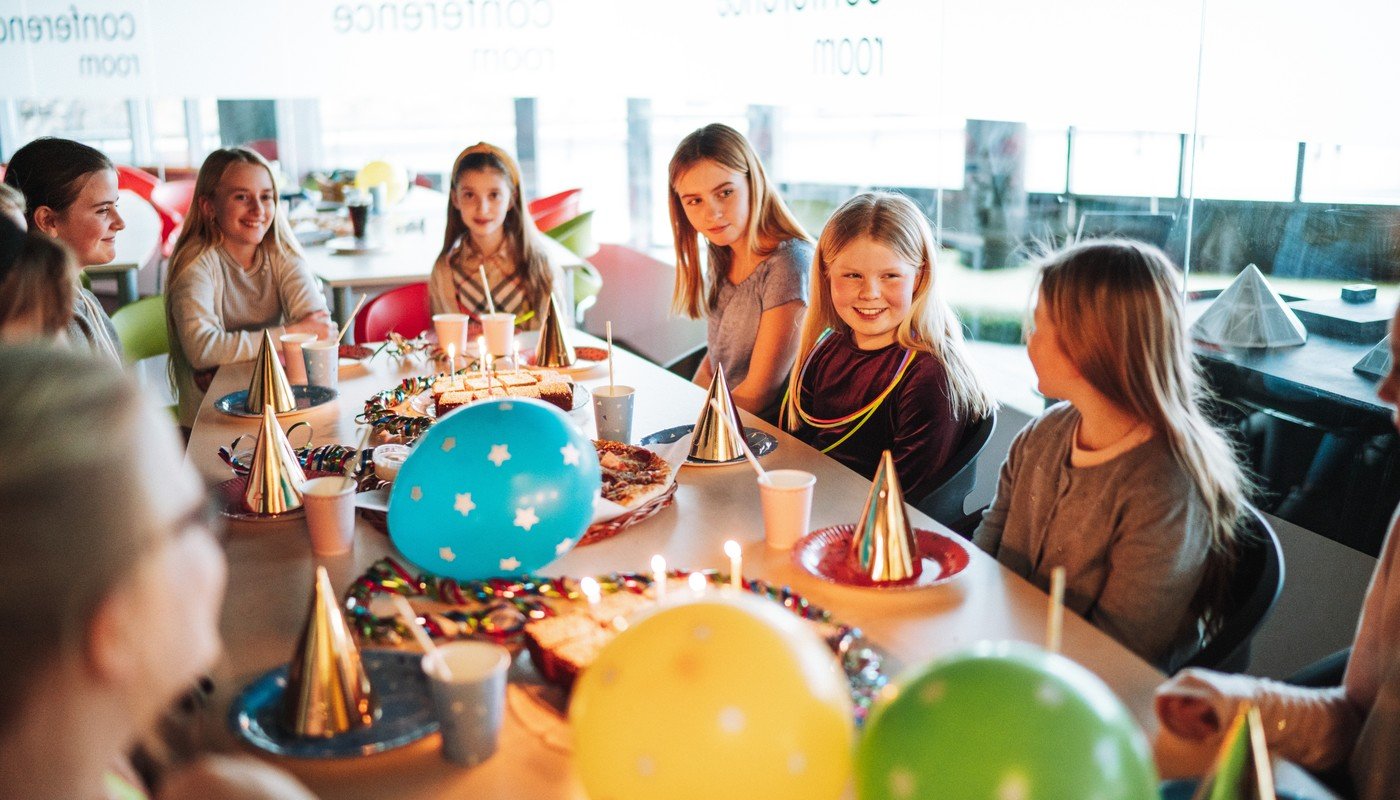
(270, 574)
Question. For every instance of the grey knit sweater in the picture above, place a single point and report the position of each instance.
(1131, 534)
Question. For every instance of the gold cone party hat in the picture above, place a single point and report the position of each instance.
(553, 349)
(713, 440)
(1242, 769)
(883, 548)
(328, 691)
(275, 477)
(269, 385)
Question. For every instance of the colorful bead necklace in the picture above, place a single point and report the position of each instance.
(859, 416)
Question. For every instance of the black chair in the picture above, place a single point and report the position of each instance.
(956, 478)
(1254, 588)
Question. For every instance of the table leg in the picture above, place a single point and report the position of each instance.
(340, 303)
(126, 286)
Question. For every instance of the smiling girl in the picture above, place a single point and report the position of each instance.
(487, 226)
(70, 193)
(881, 363)
(236, 271)
(757, 257)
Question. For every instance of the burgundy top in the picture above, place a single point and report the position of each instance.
(915, 423)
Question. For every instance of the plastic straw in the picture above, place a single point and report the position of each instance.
(1055, 625)
(742, 443)
(610, 361)
(486, 287)
(424, 640)
(344, 329)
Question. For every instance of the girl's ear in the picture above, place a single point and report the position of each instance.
(109, 650)
(46, 220)
(206, 208)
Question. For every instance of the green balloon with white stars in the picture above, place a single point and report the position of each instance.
(1003, 721)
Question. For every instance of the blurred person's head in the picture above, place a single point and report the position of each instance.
(70, 193)
(1389, 388)
(12, 204)
(38, 282)
(116, 582)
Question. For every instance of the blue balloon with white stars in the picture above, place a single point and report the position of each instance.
(499, 487)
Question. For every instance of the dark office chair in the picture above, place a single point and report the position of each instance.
(1254, 588)
(955, 480)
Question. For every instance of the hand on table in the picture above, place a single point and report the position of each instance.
(318, 323)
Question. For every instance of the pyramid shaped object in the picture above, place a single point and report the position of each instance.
(276, 476)
(553, 349)
(1249, 313)
(713, 440)
(269, 385)
(883, 548)
(1242, 769)
(328, 691)
(1376, 362)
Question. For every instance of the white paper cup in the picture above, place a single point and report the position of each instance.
(330, 514)
(471, 704)
(452, 329)
(291, 354)
(322, 360)
(387, 460)
(786, 496)
(612, 411)
(499, 329)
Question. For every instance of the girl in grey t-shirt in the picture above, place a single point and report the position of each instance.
(758, 257)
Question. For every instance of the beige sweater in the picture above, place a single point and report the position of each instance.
(1318, 728)
(219, 310)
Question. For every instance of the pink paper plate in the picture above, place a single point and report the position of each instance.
(823, 553)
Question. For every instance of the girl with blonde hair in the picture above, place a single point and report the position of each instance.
(237, 270)
(488, 226)
(881, 363)
(1126, 485)
(757, 256)
(88, 671)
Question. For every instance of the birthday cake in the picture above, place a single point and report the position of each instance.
(453, 391)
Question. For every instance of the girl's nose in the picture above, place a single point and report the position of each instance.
(117, 222)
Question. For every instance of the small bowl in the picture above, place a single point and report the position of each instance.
(387, 460)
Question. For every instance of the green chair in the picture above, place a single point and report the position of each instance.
(141, 326)
(576, 235)
(587, 283)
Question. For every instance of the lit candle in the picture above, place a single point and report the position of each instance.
(590, 590)
(451, 358)
(481, 354)
(658, 576)
(736, 564)
(697, 583)
(517, 355)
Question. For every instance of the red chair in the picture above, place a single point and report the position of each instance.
(147, 185)
(404, 310)
(556, 209)
(175, 195)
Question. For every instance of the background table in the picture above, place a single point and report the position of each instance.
(271, 569)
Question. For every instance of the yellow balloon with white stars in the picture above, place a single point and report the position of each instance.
(728, 696)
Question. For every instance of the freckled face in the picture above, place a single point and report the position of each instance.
(872, 289)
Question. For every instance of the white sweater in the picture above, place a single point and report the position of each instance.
(219, 310)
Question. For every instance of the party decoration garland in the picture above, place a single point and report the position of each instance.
(498, 608)
(381, 409)
(859, 416)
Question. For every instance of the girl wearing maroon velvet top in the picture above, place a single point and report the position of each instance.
(881, 363)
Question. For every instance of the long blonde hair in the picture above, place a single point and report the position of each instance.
(770, 222)
(524, 238)
(1117, 309)
(932, 327)
(201, 231)
(75, 419)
